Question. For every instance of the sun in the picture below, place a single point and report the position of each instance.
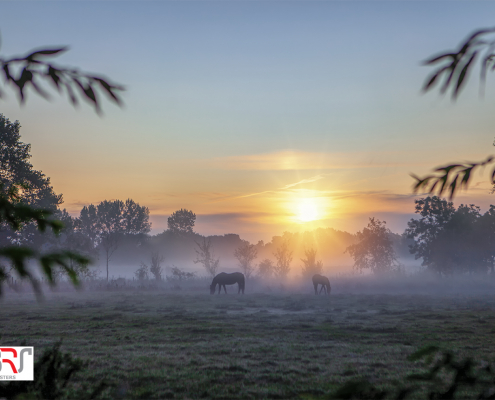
(307, 210)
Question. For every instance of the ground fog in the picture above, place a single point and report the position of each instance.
(178, 341)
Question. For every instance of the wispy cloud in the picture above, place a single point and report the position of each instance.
(303, 160)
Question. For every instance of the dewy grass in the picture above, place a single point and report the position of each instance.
(188, 345)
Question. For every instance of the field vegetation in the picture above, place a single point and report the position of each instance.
(273, 342)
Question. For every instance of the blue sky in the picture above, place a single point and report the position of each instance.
(333, 87)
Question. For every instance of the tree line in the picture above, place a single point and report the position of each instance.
(446, 239)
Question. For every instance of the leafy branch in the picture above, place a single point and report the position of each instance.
(450, 178)
(15, 214)
(457, 65)
(35, 67)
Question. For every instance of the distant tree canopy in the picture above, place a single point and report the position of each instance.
(374, 250)
(181, 222)
(107, 222)
(456, 66)
(266, 268)
(453, 240)
(310, 265)
(206, 257)
(246, 253)
(283, 255)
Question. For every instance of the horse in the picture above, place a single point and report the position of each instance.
(323, 281)
(223, 279)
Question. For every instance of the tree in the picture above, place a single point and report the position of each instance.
(457, 65)
(311, 266)
(452, 241)
(34, 188)
(266, 269)
(181, 222)
(245, 254)
(284, 258)
(374, 249)
(142, 272)
(110, 220)
(14, 214)
(435, 214)
(155, 267)
(204, 256)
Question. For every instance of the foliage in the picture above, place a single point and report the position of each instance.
(107, 222)
(374, 249)
(178, 274)
(284, 257)
(155, 267)
(53, 373)
(181, 222)
(311, 266)
(22, 73)
(455, 69)
(450, 240)
(30, 70)
(266, 268)
(445, 378)
(32, 187)
(205, 256)
(15, 214)
(142, 272)
(246, 254)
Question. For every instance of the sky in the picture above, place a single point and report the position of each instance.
(259, 116)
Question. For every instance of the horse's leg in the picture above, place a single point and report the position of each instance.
(323, 287)
(225, 288)
(219, 288)
(316, 288)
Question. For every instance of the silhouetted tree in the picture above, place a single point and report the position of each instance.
(142, 272)
(374, 249)
(21, 73)
(181, 222)
(266, 268)
(311, 266)
(246, 254)
(435, 214)
(284, 257)
(205, 257)
(450, 240)
(155, 267)
(110, 220)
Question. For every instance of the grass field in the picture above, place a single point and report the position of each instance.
(165, 344)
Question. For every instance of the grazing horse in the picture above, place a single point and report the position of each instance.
(223, 279)
(323, 281)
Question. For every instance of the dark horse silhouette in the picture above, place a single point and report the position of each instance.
(223, 279)
(323, 281)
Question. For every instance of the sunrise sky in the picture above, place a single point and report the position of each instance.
(258, 116)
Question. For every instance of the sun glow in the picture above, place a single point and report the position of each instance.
(307, 210)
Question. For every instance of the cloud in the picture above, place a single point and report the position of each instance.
(304, 160)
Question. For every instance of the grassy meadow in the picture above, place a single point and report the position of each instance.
(161, 343)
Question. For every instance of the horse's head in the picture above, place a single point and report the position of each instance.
(212, 288)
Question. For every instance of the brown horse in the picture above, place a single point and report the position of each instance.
(223, 279)
(323, 281)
